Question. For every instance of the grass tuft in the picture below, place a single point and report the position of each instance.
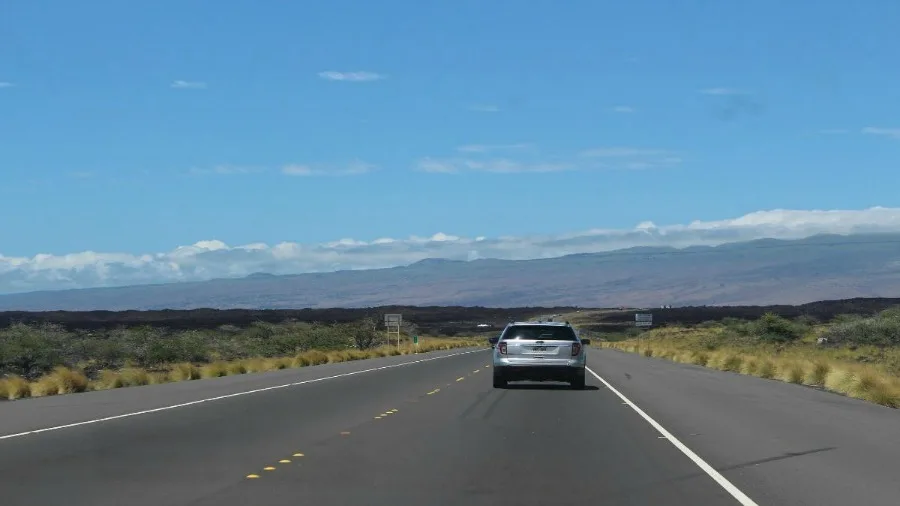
(15, 387)
(817, 373)
(215, 369)
(61, 381)
(184, 371)
(134, 377)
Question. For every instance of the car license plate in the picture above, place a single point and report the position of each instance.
(540, 348)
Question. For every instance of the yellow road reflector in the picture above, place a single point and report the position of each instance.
(298, 455)
(269, 468)
(252, 476)
(284, 461)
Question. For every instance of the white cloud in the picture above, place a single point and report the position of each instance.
(607, 158)
(497, 165)
(351, 169)
(215, 259)
(484, 108)
(6, 84)
(623, 109)
(893, 133)
(192, 85)
(360, 76)
(723, 91)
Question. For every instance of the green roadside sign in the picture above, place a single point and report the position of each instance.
(415, 339)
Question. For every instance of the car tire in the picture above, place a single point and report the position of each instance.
(499, 381)
(577, 382)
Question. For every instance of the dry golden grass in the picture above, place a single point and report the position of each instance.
(63, 380)
(184, 372)
(214, 370)
(863, 372)
(14, 387)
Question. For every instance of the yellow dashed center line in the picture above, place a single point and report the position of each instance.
(298, 455)
(284, 461)
(475, 371)
(252, 476)
(269, 468)
(345, 433)
(394, 410)
(460, 378)
(378, 417)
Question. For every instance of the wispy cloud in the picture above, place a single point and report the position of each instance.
(188, 85)
(893, 133)
(497, 166)
(485, 148)
(623, 109)
(603, 158)
(484, 108)
(359, 76)
(352, 169)
(723, 91)
(6, 84)
(210, 259)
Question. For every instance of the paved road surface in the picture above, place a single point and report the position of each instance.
(451, 439)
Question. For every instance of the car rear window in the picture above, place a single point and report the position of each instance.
(545, 332)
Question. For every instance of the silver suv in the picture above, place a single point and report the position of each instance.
(539, 351)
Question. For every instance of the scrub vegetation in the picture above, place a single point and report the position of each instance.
(853, 355)
(47, 359)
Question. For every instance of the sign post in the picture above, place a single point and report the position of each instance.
(642, 320)
(393, 322)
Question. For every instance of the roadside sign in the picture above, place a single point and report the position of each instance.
(415, 339)
(643, 320)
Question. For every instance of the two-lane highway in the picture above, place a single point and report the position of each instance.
(399, 430)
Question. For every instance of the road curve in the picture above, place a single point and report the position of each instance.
(431, 430)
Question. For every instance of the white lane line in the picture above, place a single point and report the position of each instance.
(729, 487)
(228, 396)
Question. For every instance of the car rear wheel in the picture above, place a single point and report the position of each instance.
(577, 382)
(499, 381)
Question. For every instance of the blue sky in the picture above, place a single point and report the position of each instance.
(136, 127)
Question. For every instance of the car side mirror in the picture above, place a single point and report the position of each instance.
(585, 342)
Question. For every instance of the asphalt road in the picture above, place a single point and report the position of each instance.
(430, 430)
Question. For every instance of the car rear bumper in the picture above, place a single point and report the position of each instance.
(539, 372)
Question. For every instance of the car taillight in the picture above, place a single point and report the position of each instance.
(501, 347)
(576, 349)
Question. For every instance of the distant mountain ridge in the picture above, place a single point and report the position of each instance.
(765, 271)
